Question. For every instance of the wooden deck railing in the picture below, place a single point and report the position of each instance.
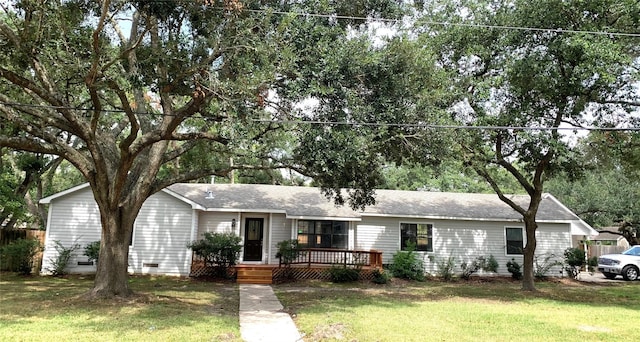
(325, 256)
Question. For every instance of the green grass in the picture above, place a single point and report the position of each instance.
(464, 311)
(163, 309)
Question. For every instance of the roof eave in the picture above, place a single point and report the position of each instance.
(48, 199)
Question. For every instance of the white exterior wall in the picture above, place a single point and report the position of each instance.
(217, 222)
(276, 228)
(462, 240)
(161, 233)
(280, 231)
(73, 219)
(160, 236)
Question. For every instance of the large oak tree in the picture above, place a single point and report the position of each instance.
(532, 67)
(138, 95)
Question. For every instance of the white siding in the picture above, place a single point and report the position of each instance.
(220, 222)
(73, 219)
(462, 240)
(161, 233)
(281, 230)
(378, 233)
(217, 222)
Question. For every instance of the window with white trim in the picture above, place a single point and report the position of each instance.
(419, 235)
(514, 238)
(323, 234)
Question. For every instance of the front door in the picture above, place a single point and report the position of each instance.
(253, 239)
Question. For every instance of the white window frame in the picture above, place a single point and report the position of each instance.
(416, 223)
(504, 236)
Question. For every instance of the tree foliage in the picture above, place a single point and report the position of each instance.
(606, 194)
(530, 82)
(138, 95)
(18, 256)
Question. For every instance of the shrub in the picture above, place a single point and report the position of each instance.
(92, 251)
(574, 260)
(592, 264)
(220, 250)
(288, 251)
(407, 265)
(445, 268)
(469, 269)
(491, 264)
(59, 263)
(542, 267)
(18, 255)
(380, 277)
(342, 274)
(480, 263)
(514, 268)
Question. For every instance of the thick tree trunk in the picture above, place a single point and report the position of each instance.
(112, 278)
(528, 279)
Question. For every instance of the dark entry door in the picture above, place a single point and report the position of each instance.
(253, 239)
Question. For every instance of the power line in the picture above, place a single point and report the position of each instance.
(440, 23)
(432, 126)
(361, 124)
(436, 23)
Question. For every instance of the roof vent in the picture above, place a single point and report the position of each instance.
(209, 195)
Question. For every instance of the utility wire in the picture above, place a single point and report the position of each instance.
(426, 125)
(440, 23)
(435, 23)
(363, 124)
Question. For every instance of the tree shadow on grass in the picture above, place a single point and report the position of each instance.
(499, 289)
(170, 305)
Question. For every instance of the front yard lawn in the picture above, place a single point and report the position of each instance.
(164, 309)
(491, 310)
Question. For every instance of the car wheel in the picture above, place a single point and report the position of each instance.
(609, 275)
(630, 272)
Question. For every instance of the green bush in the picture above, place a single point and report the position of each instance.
(574, 259)
(407, 265)
(92, 251)
(59, 263)
(445, 268)
(287, 251)
(342, 274)
(380, 277)
(491, 264)
(18, 255)
(542, 267)
(468, 269)
(479, 263)
(592, 264)
(220, 250)
(514, 268)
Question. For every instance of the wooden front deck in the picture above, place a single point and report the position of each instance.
(270, 274)
(313, 264)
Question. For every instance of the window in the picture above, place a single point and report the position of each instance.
(515, 241)
(323, 234)
(418, 234)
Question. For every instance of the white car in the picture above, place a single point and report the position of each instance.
(627, 264)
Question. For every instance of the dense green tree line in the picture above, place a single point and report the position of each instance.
(138, 95)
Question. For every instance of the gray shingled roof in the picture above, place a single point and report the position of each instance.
(309, 202)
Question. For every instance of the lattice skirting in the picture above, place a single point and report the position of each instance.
(279, 274)
(198, 269)
(283, 274)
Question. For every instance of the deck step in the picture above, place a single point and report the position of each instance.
(254, 275)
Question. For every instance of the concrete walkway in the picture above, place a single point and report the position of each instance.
(261, 316)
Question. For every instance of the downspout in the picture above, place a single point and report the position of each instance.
(270, 237)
